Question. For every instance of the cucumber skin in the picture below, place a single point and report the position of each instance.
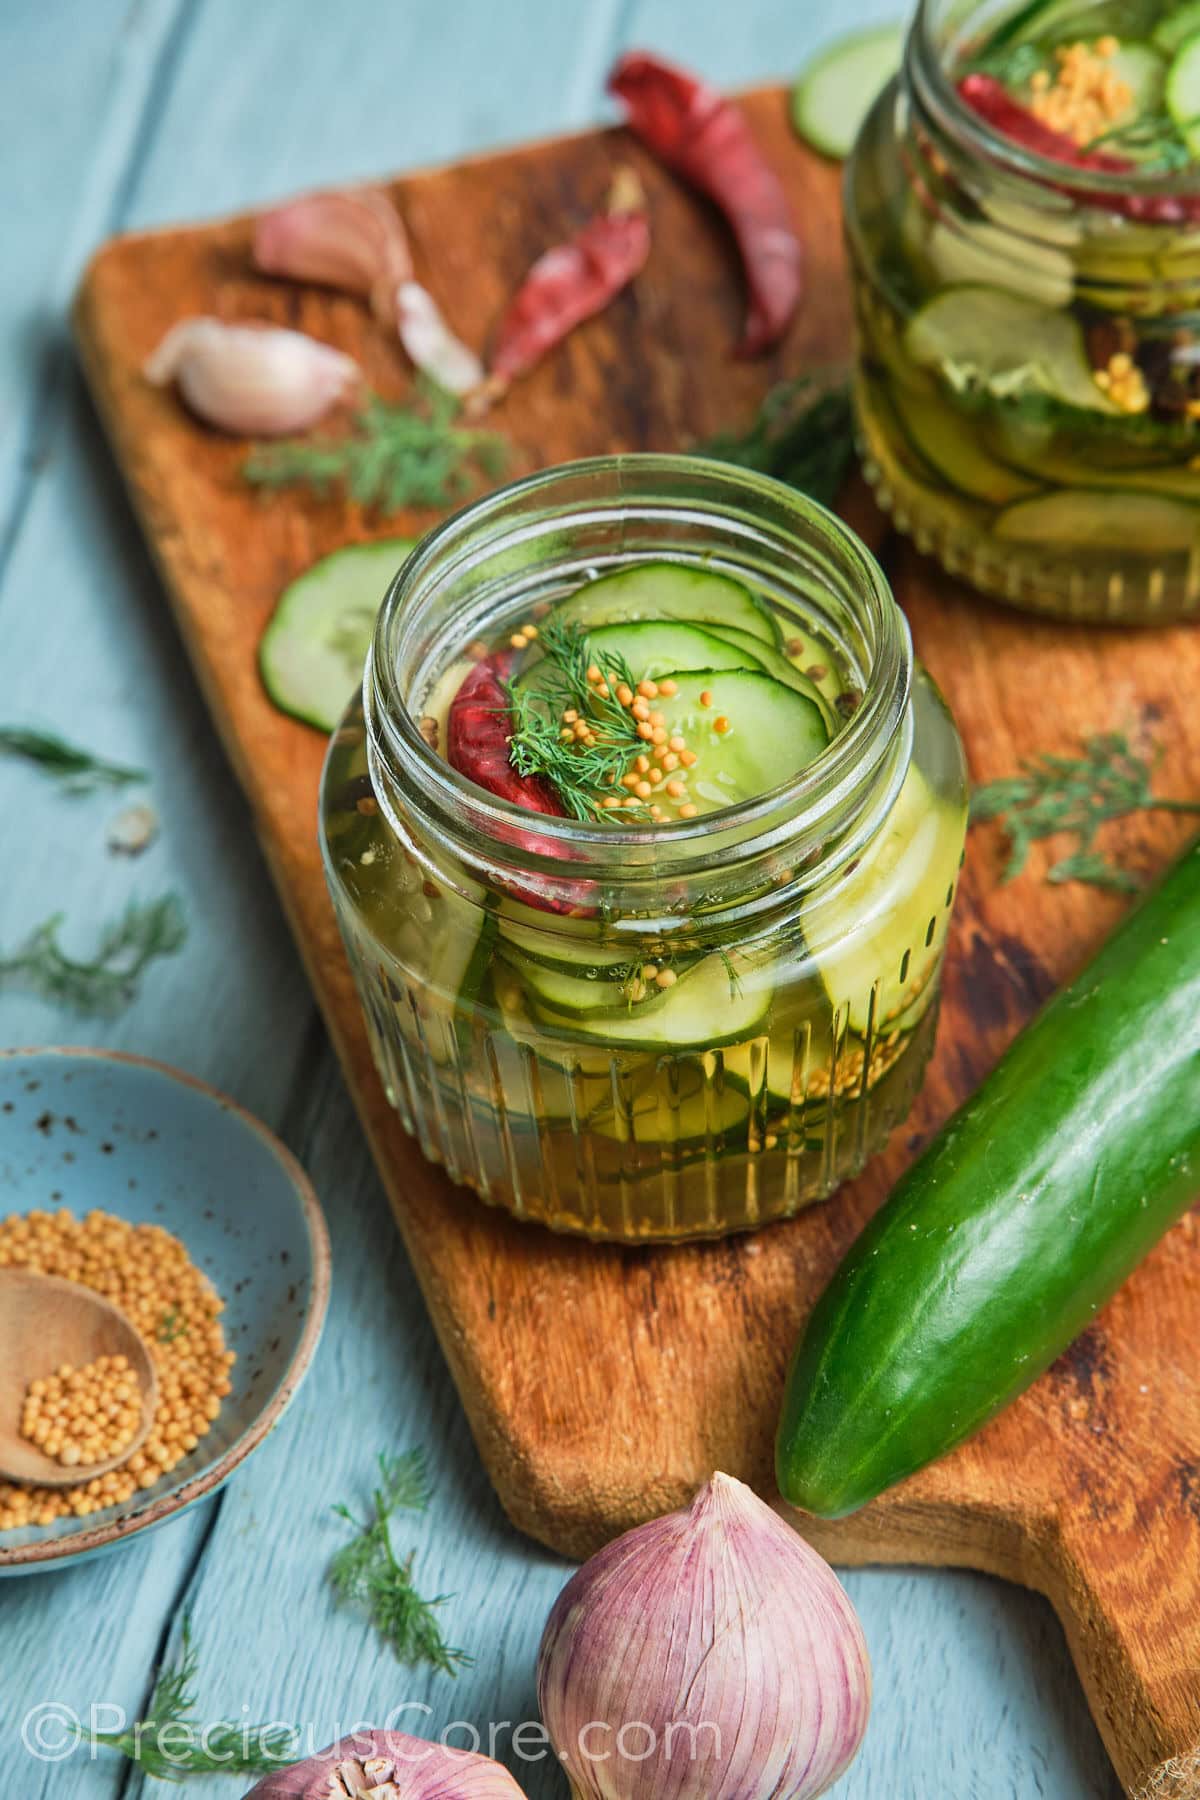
(996, 1249)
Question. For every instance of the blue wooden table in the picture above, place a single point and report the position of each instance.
(122, 114)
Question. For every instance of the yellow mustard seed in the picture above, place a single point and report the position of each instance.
(148, 1274)
(721, 725)
(706, 698)
(666, 978)
(648, 689)
(668, 687)
(625, 695)
(688, 811)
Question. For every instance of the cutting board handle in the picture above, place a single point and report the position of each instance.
(1128, 1594)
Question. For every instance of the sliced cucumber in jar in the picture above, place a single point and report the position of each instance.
(1143, 68)
(709, 1005)
(979, 336)
(1107, 519)
(1183, 92)
(1056, 21)
(753, 734)
(650, 648)
(952, 445)
(878, 950)
(1176, 27)
(837, 90)
(677, 1104)
(781, 667)
(662, 591)
(977, 253)
(312, 653)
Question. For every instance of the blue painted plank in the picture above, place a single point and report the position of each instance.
(214, 106)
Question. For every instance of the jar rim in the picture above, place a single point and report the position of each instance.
(588, 847)
(929, 71)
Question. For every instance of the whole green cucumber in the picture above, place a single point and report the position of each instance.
(1024, 1215)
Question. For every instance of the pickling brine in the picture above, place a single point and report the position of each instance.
(644, 849)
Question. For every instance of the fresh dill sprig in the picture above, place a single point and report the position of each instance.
(368, 1572)
(170, 1744)
(109, 980)
(396, 456)
(1076, 796)
(1013, 64)
(582, 773)
(78, 770)
(803, 434)
(1155, 139)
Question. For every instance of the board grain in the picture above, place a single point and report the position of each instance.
(603, 1384)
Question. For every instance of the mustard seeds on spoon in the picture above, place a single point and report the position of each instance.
(147, 1273)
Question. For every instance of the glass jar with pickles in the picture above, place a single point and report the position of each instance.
(1023, 217)
(643, 843)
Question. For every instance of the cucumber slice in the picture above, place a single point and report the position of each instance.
(680, 1107)
(1173, 31)
(987, 335)
(312, 653)
(662, 590)
(579, 991)
(651, 648)
(1183, 92)
(1145, 70)
(1083, 519)
(773, 732)
(892, 910)
(976, 253)
(837, 90)
(706, 1008)
(1053, 465)
(781, 667)
(951, 445)
(1055, 21)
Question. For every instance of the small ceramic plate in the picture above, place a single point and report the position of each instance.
(85, 1128)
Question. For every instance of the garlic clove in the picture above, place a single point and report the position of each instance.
(359, 1767)
(430, 343)
(252, 380)
(710, 1652)
(353, 239)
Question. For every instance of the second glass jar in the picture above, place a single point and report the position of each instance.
(500, 961)
(1028, 381)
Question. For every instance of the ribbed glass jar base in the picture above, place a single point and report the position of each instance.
(583, 1142)
(1109, 588)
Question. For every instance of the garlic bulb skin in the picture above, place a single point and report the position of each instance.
(353, 239)
(710, 1652)
(252, 380)
(388, 1765)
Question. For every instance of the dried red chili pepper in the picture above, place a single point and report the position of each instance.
(991, 101)
(705, 138)
(569, 283)
(478, 728)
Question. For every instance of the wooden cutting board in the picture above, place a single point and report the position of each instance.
(603, 1385)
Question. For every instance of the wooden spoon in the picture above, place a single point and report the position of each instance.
(44, 1322)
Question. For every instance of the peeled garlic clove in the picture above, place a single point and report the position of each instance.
(353, 239)
(388, 1765)
(252, 380)
(710, 1652)
(430, 343)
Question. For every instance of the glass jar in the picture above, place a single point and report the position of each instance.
(1028, 378)
(810, 921)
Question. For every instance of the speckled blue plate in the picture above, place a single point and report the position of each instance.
(85, 1128)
